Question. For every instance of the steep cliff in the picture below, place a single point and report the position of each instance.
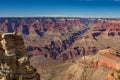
(14, 61)
(62, 43)
(41, 32)
(91, 67)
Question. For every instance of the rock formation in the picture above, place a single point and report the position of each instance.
(90, 67)
(64, 39)
(14, 61)
(43, 30)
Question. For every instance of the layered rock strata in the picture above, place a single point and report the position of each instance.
(14, 61)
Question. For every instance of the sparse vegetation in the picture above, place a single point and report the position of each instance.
(116, 74)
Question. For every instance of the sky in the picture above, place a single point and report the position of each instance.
(60, 8)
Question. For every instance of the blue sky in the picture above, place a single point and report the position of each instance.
(60, 8)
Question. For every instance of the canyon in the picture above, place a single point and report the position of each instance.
(61, 46)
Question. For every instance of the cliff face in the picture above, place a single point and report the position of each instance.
(14, 62)
(59, 34)
(41, 30)
(106, 27)
(65, 39)
(91, 67)
(38, 26)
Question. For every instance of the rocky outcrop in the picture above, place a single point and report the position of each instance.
(90, 67)
(107, 58)
(14, 60)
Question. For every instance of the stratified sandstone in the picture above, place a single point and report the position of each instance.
(56, 37)
(14, 61)
(107, 58)
(90, 67)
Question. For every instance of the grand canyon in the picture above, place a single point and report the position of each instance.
(69, 48)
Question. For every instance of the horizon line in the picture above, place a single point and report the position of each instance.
(56, 17)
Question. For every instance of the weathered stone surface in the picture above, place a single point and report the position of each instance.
(55, 38)
(33, 29)
(14, 59)
(90, 67)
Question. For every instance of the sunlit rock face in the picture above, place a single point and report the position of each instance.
(65, 39)
(14, 61)
(91, 67)
(39, 32)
